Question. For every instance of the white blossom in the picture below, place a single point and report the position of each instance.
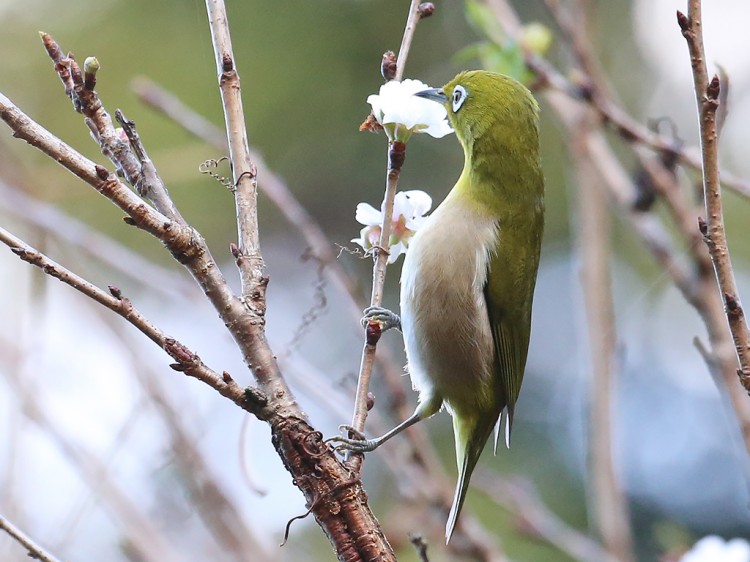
(401, 113)
(409, 208)
(715, 549)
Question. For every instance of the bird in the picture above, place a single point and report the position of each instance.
(468, 278)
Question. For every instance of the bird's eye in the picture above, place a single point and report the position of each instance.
(459, 97)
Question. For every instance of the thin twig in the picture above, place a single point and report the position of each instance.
(429, 475)
(421, 545)
(608, 503)
(707, 99)
(271, 184)
(47, 218)
(314, 466)
(128, 155)
(620, 121)
(34, 550)
(249, 261)
(396, 155)
(137, 529)
(411, 25)
(186, 361)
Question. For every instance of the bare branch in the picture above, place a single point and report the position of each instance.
(698, 285)
(34, 550)
(617, 118)
(250, 261)
(609, 504)
(186, 361)
(313, 465)
(429, 475)
(47, 218)
(269, 183)
(415, 14)
(707, 99)
(131, 160)
(396, 157)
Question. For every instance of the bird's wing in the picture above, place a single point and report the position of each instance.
(509, 312)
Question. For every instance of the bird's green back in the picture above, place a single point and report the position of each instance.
(497, 126)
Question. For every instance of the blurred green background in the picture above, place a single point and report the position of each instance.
(307, 67)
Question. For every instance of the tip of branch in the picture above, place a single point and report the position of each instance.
(51, 46)
(90, 67)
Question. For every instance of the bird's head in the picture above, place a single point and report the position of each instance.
(477, 101)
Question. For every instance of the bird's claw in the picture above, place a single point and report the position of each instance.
(382, 316)
(355, 444)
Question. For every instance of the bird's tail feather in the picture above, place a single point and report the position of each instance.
(470, 440)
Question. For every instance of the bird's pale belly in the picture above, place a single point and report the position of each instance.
(444, 318)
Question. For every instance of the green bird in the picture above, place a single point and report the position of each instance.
(468, 279)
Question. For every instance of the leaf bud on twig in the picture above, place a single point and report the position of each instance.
(90, 68)
(388, 66)
(426, 9)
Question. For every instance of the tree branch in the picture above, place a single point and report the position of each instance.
(396, 156)
(34, 550)
(628, 128)
(249, 259)
(313, 465)
(707, 99)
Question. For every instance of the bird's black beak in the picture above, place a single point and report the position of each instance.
(434, 94)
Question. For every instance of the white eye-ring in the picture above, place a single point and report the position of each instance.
(459, 97)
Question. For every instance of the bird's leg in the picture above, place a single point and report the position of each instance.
(361, 445)
(428, 406)
(385, 317)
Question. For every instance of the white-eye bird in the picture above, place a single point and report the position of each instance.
(468, 279)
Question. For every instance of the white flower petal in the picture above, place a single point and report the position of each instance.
(395, 251)
(439, 130)
(368, 215)
(401, 206)
(415, 223)
(396, 103)
(420, 201)
(714, 549)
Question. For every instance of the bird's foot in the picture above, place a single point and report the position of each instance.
(355, 444)
(382, 316)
